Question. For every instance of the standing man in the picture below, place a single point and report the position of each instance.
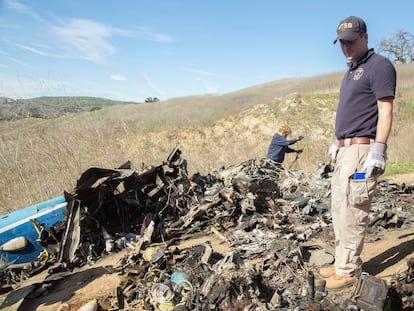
(280, 144)
(362, 126)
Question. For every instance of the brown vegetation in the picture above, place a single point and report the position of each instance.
(40, 159)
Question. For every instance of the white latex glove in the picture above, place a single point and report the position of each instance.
(333, 151)
(375, 162)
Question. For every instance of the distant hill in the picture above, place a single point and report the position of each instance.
(51, 107)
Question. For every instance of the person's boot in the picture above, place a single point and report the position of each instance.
(327, 271)
(337, 282)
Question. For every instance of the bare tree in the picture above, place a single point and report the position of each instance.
(399, 48)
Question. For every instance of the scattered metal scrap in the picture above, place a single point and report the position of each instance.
(268, 216)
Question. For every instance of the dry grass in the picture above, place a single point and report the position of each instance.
(42, 158)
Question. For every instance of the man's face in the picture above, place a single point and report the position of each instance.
(353, 50)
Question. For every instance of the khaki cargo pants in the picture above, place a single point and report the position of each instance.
(351, 202)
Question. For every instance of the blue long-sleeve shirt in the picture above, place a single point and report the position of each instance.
(279, 146)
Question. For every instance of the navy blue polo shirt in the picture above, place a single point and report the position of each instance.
(372, 78)
(279, 146)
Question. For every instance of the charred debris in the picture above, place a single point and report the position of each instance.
(275, 224)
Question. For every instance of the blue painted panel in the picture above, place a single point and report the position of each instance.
(17, 223)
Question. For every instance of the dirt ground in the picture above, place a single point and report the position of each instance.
(382, 258)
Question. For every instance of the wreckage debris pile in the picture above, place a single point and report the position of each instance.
(267, 216)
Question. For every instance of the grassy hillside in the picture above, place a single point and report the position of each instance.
(42, 158)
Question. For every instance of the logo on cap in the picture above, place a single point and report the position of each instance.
(344, 26)
(349, 28)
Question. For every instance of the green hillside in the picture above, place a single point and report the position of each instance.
(51, 107)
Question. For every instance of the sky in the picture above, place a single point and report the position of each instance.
(130, 50)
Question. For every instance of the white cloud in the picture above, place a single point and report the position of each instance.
(17, 6)
(91, 38)
(87, 37)
(31, 49)
(19, 62)
(14, 60)
(153, 86)
(118, 77)
(150, 35)
(21, 8)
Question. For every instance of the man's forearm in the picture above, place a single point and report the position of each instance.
(384, 119)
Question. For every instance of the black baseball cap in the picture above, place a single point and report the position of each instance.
(350, 28)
